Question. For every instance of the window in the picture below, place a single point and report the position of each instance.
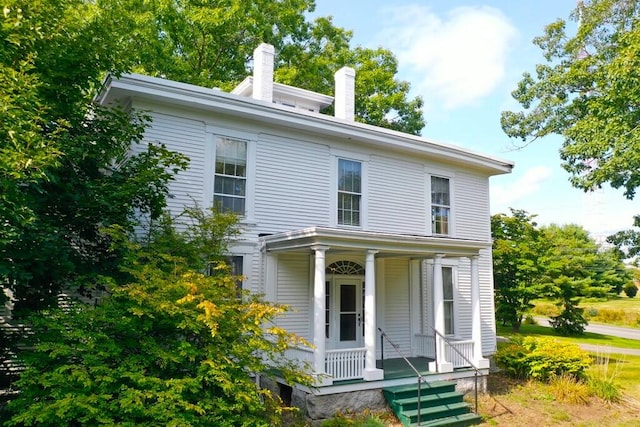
(447, 293)
(349, 192)
(440, 205)
(230, 178)
(233, 265)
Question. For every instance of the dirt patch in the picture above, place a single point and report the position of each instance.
(516, 403)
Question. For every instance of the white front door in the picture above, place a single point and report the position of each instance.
(348, 315)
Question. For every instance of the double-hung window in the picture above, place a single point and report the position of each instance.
(440, 205)
(349, 192)
(230, 178)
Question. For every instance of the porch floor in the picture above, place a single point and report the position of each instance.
(398, 367)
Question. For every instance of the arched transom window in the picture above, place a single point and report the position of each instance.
(345, 267)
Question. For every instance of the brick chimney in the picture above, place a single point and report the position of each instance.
(345, 79)
(263, 72)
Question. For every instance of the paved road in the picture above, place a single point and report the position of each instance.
(616, 331)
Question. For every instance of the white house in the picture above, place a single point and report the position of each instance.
(357, 228)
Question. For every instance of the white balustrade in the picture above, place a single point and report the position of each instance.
(463, 346)
(345, 364)
(426, 346)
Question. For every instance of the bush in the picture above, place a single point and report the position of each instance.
(630, 290)
(542, 359)
(565, 388)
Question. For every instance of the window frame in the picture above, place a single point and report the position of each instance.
(210, 166)
(431, 205)
(363, 159)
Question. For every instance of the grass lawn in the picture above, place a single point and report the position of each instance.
(620, 310)
(587, 338)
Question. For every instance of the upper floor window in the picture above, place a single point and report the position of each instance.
(440, 205)
(230, 178)
(349, 192)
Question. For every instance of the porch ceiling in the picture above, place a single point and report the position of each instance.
(388, 244)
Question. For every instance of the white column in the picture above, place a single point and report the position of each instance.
(476, 330)
(441, 363)
(371, 373)
(319, 316)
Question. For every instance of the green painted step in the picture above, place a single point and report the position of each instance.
(454, 421)
(440, 405)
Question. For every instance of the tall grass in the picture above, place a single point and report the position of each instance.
(602, 378)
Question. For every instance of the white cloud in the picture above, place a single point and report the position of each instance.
(505, 196)
(454, 59)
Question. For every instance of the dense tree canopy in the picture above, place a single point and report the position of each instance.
(559, 262)
(588, 92)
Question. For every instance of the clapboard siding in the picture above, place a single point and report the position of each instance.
(471, 206)
(292, 184)
(486, 302)
(396, 191)
(397, 314)
(464, 315)
(293, 291)
(187, 137)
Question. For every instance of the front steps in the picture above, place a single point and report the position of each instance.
(440, 405)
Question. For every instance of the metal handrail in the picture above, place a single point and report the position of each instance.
(396, 347)
(475, 368)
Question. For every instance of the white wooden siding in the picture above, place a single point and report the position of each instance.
(187, 137)
(396, 192)
(397, 314)
(486, 302)
(471, 204)
(293, 290)
(292, 184)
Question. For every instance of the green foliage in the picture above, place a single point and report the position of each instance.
(171, 346)
(365, 419)
(603, 379)
(542, 358)
(516, 272)
(584, 92)
(630, 290)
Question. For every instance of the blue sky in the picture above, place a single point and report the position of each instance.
(464, 58)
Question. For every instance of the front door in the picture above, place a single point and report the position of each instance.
(349, 319)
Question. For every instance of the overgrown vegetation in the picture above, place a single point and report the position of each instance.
(171, 345)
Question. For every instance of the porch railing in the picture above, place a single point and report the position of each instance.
(302, 355)
(459, 352)
(426, 346)
(448, 345)
(347, 364)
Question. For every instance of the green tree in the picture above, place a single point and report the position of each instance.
(211, 44)
(517, 247)
(587, 92)
(64, 170)
(169, 346)
(569, 262)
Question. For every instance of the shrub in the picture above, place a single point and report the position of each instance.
(542, 359)
(630, 290)
(602, 379)
(566, 388)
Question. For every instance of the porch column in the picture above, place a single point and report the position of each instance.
(319, 316)
(476, 330)
(371, 373)
(440, 364)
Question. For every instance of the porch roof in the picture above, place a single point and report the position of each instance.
(388, 244)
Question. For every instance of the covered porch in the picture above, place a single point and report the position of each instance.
(346, 326)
